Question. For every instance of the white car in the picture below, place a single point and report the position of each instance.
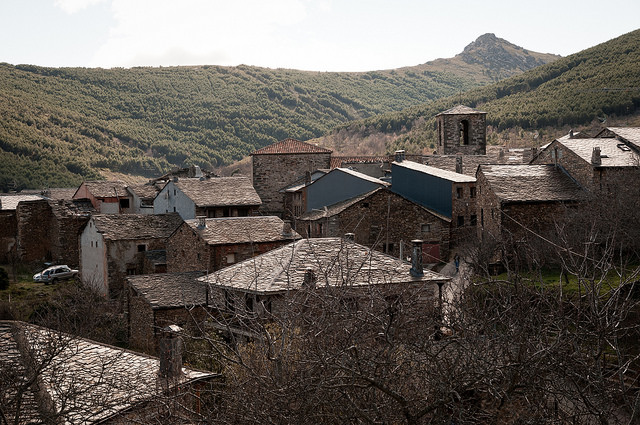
(55, 274)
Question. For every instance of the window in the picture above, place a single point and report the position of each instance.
(142, 248)
(365, 205)
(426, 228)
(388, 247)
(464, 132)
(440, 133)
(459, 192)
(91, 244)
(473, 220)
(482, 217)
(131, 271)
(124, 203)
(472, 192)
(231, 258)
(248, 300)
(460, 220)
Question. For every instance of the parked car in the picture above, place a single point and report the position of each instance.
(54, 274)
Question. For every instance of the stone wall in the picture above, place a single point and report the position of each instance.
(449, 134)
(8, 235)
(140, 317)
(34, 220)
(273, 172)
(123, 259)
(368, 219)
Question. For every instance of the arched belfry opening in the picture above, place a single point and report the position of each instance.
(462, 131)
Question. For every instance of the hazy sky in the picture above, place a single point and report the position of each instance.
(319, 35)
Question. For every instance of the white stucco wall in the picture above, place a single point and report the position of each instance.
(172, 199)
(93, 269)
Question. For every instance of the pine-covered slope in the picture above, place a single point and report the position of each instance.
(61, 125)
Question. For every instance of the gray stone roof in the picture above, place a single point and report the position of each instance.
(10, 202)
(629, 134)
(613, 152)
(437, 172)
(334, 261)
(220, 191)
(136, 226)
(146, 192)
(233, 230)
(170, 290)
(94, 381)
(531, 183)
(460, 110)
(106, 189)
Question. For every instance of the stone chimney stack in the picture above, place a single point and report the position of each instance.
(400, 155)
(307, 178)
(596, 157)
(309, 280)
(202, 222)
(170, 349)
(459, 164)
(416, 259)
(571, 134)
(287, 232)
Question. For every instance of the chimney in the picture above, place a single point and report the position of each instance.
(501, 153)
(307, 178)
(596, 157)
(416, 259)
(309, 280)
(202, 222)
(459, 164)
(350, 237)
(400, 155)
(571, 134)
(286, 229)
(170, 348)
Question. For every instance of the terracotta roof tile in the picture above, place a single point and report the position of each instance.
(531, 183)
(288, 146)
(335, 262)
(136, 226)
(232, 230)
(220, 191)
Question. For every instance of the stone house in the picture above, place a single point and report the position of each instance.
(107, 197)
(9, 224)
(461, 130)
(280, 164)
(516, 200)
(277, 283)
(115, 246)
(452, 195)
(214, 197)
(295, 195)
(599, 164)
(80, 381)
(155, 301)
(383, 220)
(213, 243)
(143, 195)
(335, 186)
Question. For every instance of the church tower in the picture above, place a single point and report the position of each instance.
(462, 131)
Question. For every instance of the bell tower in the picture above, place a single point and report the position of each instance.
(462, 131)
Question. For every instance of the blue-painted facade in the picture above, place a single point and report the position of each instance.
(424, 189)
(337, 186)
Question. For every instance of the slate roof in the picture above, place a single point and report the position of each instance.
(170, 290)
(290, 146)
(106, 189)
(460, 110)
(100, 380)
(136, 226)
(629, 134)
(233, 230)
(342, 161)
(610, 151)
(146, 192)
(335, 261)
(10, 202)
(220, 191)
(531, 183)
(338, 207)
(437, 172)
(56, 193)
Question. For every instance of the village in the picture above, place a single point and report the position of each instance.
(192, 252)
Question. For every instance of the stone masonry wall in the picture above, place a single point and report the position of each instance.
(34, 231)
(273, 172)
(449, 134)
(8, 235)
(186, 251)
(368, 219)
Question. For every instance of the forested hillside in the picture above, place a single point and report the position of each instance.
(61, 125)
(598, 84)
